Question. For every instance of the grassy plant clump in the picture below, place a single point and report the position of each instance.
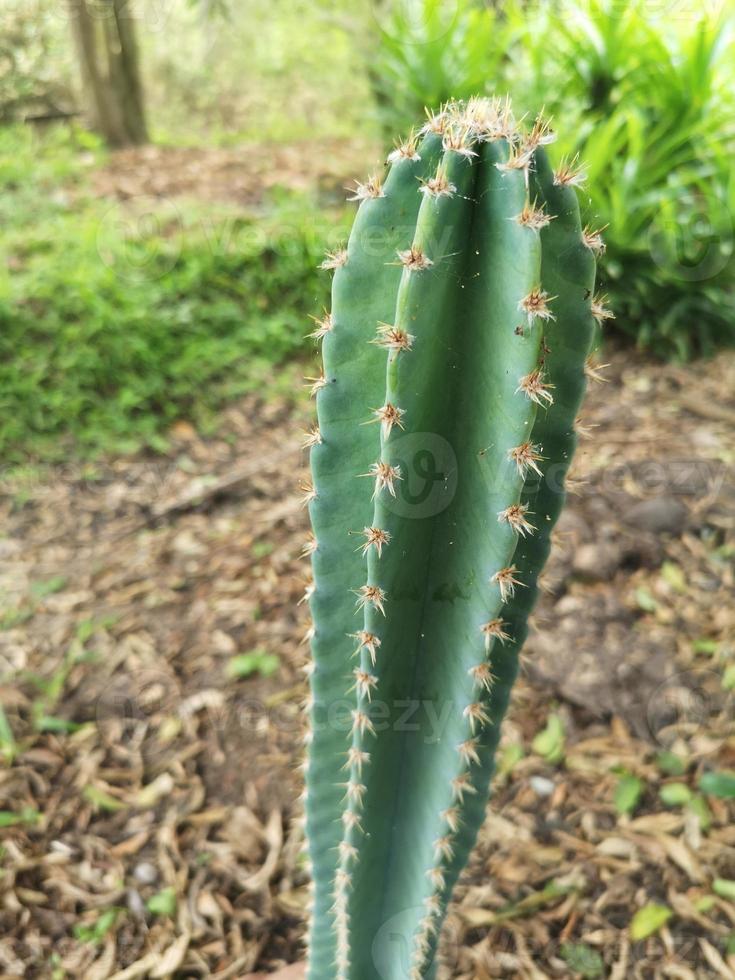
(117, 321)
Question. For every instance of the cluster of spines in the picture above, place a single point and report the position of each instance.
(461, 126)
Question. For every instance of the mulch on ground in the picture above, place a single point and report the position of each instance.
(149, 789)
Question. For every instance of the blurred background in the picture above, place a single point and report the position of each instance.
(171, 174)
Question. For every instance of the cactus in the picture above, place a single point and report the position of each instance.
(454, 355)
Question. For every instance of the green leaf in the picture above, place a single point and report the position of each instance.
(728, 679)
(8, 818)
(509, 758)
(675, 794)
(7, 739)
(705, 645)
(94, 932)
(671, 764)
(102, 799)
(674, 576)
(49, 723)
(39, 590)
(628, 793)
(645, 600)
(698, 806)
(649, 920)
(255, 662)
(724, 888)
(550, 742)
(720, 784)
(582, 959)
(163, 903)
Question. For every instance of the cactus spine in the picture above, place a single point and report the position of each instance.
(454, 354)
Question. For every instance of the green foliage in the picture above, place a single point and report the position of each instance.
(648, 920)
(431, 52)
(116, 322)
(628, 793)
(719, 784)
(255, 662)
(583, 960)
(648, 100)
(462, 315)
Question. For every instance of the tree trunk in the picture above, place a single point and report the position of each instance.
(104, 32)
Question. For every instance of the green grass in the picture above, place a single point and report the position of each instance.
(116, 321)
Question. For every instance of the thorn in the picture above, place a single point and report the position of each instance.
(372, 188)
(536, 305)
(375, 537)
(367, 641)
(443, 848)
(435, 122)
(388, 416)
(593, 371)
(468, 752)
(356, 759)
(355, 792)
(534, 387)
(437, 879)
(323, 326)
(541, 134)
(372, 594)
(393, 338)
(406, 150)
(335, 260)
(316, 384)
(414, 259)
(364, 683)
(312, 438)
(310, 546)
(506, 582)
(570, 173)
(593, 240)
(599, 311)
(477, 714)
(452, 815)
(515, 515)
(385, 476)
(493, 630)
(309, 590)
(433, 905)
(342, 881)
(482, 675)
(584, 431)
(351, 820)
(308, 493)
(460, 785)
(309, 634)
(533, 217)
(519, 158)
(526, 457)
(361, 723)
(348, 853)
(458, 139)
(438, 185)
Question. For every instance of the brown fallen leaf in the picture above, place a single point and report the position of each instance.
(293, 972)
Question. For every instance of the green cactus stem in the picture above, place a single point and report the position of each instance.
(454, 354)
